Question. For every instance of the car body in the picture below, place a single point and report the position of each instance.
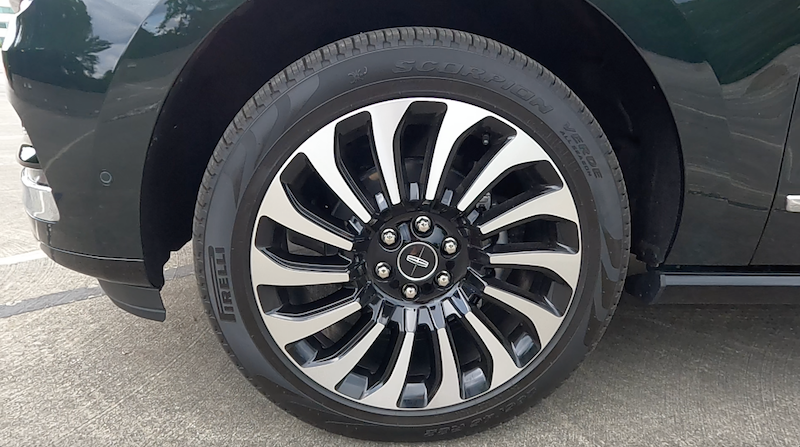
(91, 104)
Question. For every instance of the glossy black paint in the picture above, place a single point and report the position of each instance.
(730, 71)
(60, 68)
(780, 244)
(90, 102)
(121, 270)
(89, 79)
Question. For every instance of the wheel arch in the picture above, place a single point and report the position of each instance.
(572, 38)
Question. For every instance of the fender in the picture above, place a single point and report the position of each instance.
(145, 73)
(732, 139)
(732, 110)
(111, 82)
(731, 131)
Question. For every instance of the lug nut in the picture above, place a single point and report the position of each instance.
(423, 224)
(450, 246)
(410, 291)
(443, 279)
(383, 270)
(389, 237)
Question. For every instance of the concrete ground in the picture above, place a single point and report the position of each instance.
(77, 371)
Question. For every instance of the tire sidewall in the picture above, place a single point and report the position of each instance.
(531, 99)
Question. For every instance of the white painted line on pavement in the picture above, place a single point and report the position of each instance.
(24, 257)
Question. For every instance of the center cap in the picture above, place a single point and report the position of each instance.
(417, 261)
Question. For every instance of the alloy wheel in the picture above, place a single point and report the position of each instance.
(415, 254)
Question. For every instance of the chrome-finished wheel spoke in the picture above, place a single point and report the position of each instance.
(388, 394)
(564, 264)
(278, 207)
(520, 150)
(385, 118)
(457, 120)
(267, 270)
(503, 366)
(449, 391)
(287, 329)
(556, 203)
(319, 150)
(544, 321)
(330, 372)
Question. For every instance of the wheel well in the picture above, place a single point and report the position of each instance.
(569, 37)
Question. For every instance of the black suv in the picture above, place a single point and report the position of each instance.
(411, 220)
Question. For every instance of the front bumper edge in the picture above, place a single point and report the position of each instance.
(144, 302)
(123, 280)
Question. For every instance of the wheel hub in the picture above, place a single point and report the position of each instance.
(418, 256)
(417, 261)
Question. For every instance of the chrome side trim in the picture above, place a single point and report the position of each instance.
(793, 204)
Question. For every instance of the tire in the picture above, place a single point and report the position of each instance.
(516, 195)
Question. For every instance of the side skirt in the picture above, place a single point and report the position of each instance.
(656, 287)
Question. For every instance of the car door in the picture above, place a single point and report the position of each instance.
(779, 245)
